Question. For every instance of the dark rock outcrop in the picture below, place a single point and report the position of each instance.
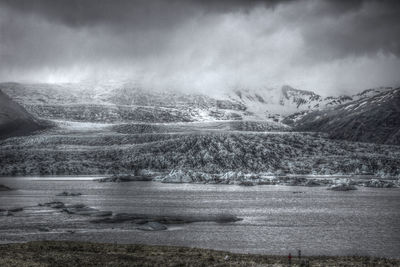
(15, 120)
(123, 178)
(68, 194)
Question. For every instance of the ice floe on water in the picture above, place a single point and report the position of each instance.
(145, 222)
(342, 187)
(250, 179)
(381, 183)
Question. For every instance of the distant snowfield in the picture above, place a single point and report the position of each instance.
(174, 127)
(81, 126)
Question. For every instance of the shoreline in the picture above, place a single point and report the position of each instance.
(73, 253)
(330, 182)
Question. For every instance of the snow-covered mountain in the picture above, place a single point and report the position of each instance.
(284, 101)
(374, 117)
(130, 103)
(120, 103)
(280, 101)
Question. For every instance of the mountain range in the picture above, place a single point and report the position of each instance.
(354, 117)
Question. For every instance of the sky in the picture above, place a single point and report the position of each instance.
(330, 47)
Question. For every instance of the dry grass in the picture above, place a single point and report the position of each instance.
(55, 253)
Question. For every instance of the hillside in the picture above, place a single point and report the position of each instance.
(119, 103)
(372, 118)
(14, 119)
(113, 103)
(284, 101)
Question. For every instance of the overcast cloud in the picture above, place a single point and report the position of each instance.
(330, 47)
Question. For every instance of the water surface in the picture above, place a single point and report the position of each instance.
(276, 219)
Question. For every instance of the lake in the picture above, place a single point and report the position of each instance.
(276, 219)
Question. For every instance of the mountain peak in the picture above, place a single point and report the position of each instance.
(373, 118)
(288, 90)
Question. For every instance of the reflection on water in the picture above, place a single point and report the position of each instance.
(275, 220)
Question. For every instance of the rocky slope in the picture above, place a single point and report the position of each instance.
(14, 119)
(276, 101)
(279, 103)
(127, 103)
(119, 103)
(263, 109)
(372, 118)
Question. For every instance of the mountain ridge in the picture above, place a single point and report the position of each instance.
(373, 118)
(126, 103)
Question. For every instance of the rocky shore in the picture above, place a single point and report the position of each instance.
(344, 183)
(67, 253)
(333, 183)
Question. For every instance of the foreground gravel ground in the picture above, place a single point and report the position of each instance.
(51, 253)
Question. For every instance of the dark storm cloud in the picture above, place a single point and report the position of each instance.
(359, 27)
(317, 44)
(135, 13)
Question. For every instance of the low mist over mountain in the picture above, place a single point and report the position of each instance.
(199, 45)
